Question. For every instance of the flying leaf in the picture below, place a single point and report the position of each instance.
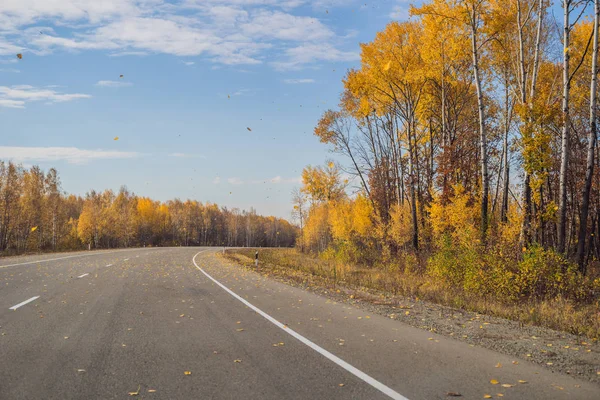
(249, 130)
(20, 56)
(116, 138)
(121, 76)
(331, 164)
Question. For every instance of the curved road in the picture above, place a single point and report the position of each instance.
(182, 323)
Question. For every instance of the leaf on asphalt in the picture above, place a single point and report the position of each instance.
(182, 315)
(494, 382)
(507, 385)
(137, 392)
(81, 370)
(487, 396)
(240, 330)
(499, 395)
(66, 337)
(341, 385)
(453, 394)
(237, 361)
(515, 362)
(549, 363)
(151, 390)
(187, 372)
(522, 381)
(498, 365)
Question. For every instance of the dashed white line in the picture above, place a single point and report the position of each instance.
(353, 370)
(81, 276)
(14, 308)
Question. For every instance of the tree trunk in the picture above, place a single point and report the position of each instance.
(589, 170)
(482, 132)
(564, 147)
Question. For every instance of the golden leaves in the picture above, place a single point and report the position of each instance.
(487, 396)
(34, 229)
(187, 372)
(494, 382)
(387, 66)
(116, 138)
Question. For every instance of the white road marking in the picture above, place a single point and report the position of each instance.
(64, 258)
(14, 308)
(81, 276)
(353, 370)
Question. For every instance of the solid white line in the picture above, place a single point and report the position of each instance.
(14, 308)
(64, 258)
(353, 370)
(81, 276)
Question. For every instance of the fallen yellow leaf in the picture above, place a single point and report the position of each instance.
(487, 396)
(494, 382)
(34, 229)
(135, 393)
(498, 365)
(507, 385)
(522, 381)
(187, 372)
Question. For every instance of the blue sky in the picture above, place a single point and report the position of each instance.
(196, 75)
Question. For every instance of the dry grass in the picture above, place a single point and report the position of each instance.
(290, 264)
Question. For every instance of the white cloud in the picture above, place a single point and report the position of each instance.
(230, 32)
(278, 25)
(311, 53)
(217, 180)
(16, 96)
(10, 70)
(401, 11)
(189, 63)
(185, 155)
(113, 84)
(235, 181)
(298, 81)
(72, 155)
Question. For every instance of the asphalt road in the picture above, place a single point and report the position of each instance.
(161, 324)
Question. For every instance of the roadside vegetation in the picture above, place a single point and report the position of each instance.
(568, 309)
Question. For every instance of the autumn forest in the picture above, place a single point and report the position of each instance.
(468, 136)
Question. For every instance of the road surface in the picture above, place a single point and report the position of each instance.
(182, 323)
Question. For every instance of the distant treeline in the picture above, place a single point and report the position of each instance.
(36, 215)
